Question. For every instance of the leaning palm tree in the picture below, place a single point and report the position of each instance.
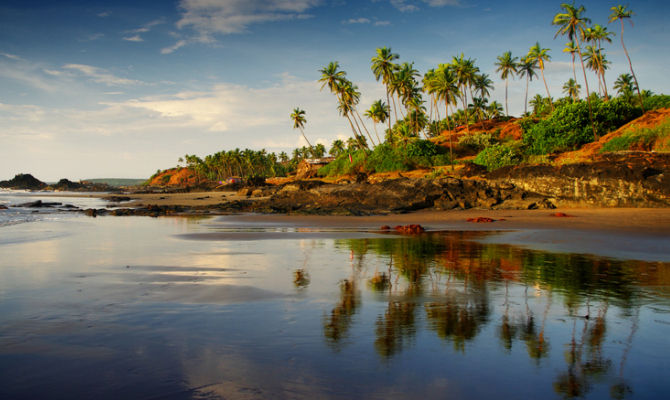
(527, 69)
(539, 55)
(571, 88)
(507, 65)
(299, 121)
(573, 24)
(621, 13)
(384, 68)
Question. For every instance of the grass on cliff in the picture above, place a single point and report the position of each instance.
(656, 138)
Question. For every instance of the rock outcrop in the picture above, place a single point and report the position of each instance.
(23, 182)
(614, 180)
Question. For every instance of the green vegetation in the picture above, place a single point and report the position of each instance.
(498, 156)
(568, 127)
(386, 157)
(116, 182)
(640, 139)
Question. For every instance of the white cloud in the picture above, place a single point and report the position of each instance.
(357, 21)
(382, 23)
(100, 75)
(11, 56)
(134, 38)
(210, 17)
(407, 6)
(104, 14)
(174, 47)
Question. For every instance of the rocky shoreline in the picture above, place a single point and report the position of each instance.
(630, 180)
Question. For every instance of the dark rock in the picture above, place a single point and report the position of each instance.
(117, 199)
(38, 204)
(23, 182)
(3, 207)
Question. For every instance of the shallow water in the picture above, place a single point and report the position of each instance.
(137, 307)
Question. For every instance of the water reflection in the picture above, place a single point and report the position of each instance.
(456, 287)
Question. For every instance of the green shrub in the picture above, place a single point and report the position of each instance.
(498, 156)
(656, 101)
(477, 141)
(386, 158)
(569, 126)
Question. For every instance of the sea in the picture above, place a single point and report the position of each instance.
(215, 308)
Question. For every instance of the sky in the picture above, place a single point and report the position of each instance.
(92, 89)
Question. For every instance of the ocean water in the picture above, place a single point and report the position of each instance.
(202, 308)
(17, 215)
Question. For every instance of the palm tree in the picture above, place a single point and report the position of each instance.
(446, 88)
(483, 85)
(378, 113)
(572, 23)
(464, 70)
(299, 121)
(625, 85)
(571, 88)
(383, 68)
(621, 13)
(494, 110)
(596, 63)
(527, 69)
(539, 55)
(331, 76)
(336, 148)
(571, 48)
(507, 65)
(537, 103)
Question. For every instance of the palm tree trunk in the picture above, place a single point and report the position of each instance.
(607, 97)
(525, 103)
(464, 98)
(364, 127)
(547, 87)
(451, 135)
(374, 125)
(355, 133)
(388, 101)
(574, 71)
(631, 67)
(506, 109)
(303, 135)
(588, 94)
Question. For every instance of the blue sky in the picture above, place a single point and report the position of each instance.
(122, 88)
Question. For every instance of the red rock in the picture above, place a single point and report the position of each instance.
(481, 219)
(385, 228)
(412, 229)
(560, 215)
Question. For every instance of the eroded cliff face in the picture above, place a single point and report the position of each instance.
(630, 180)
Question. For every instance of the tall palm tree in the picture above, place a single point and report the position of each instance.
(573, 24)
(507, 65)
(597, 34)
(571, 88)
(464, 70)
(350, 95)
(595, 62)
(571, 48)
(299, 121)
(527, 69)
(539, 55)
(336, 148)
(446, 89)
(383, 68)
(332, 76)
(621, 13)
